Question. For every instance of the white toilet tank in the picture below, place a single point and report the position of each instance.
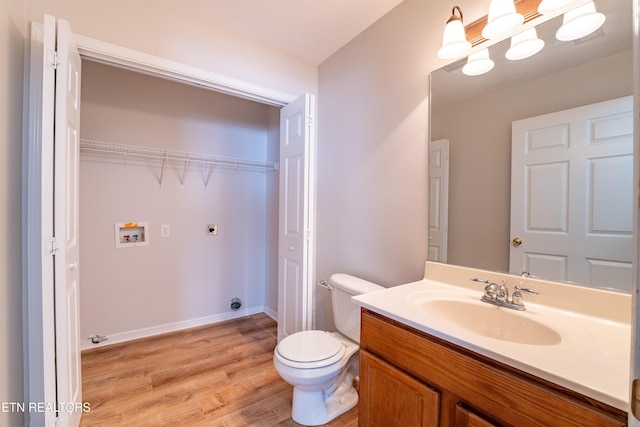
(346, 315)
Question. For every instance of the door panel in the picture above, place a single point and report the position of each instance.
(295, 246)
(390, 397)
(438, 199)
(66, 160)
(572, 195)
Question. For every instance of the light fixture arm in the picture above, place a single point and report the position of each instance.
(453, 15)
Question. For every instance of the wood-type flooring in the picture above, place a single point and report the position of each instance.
(214, 375)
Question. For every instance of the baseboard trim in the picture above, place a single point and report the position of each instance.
(125, 336)
(271, 313)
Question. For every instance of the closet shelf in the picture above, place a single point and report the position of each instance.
(163, 155)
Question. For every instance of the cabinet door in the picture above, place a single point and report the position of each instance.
(389, 397)
(466, 418)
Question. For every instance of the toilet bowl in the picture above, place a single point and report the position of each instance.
(321, 366)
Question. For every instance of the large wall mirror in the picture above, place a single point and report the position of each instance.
(493, 123)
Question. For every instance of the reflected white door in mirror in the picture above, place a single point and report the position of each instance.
(572, 195)
(438, 199)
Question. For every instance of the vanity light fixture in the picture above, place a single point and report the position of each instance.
(478, 63)
(454, 38)
(548, 7)
(502, 19)
(524, 45)
(580, 22)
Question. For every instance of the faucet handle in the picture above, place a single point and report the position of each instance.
(516, 299)
(489, 289)
(527, 290)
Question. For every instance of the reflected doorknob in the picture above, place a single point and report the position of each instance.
(291, 248)
(516, 241)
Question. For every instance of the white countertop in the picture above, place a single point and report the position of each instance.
(592, 357)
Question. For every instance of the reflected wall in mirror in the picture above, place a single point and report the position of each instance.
(475, 115)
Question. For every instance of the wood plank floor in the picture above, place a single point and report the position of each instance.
(214, 375)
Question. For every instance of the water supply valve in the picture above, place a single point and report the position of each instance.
(236, 303)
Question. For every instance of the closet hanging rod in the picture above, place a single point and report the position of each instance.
(162, 154)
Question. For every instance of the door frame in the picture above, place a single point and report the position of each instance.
(635, 290)
(38, 263)
(112, 54)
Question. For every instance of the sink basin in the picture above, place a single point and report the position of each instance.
(491, 321)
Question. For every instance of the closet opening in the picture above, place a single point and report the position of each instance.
(178, 158)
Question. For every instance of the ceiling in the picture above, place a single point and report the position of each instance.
(311, 30)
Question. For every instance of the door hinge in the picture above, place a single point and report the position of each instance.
(54, 60)
(51, 246)
(309, 121)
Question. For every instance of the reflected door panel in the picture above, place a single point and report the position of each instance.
(438, 199)
(572, 195)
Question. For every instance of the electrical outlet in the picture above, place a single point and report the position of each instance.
(212, 229)
(165, 230)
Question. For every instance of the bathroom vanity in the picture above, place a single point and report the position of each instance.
(423, 364)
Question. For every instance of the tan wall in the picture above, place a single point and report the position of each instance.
(372, 147)
(12, 34)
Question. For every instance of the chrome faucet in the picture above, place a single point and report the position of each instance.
(499, 294)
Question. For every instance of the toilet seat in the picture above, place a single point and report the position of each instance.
(310, 349)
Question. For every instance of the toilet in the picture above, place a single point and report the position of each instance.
(321, 366)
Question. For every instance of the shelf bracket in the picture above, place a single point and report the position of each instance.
(212, 166)
(164, 162)
(184, 172)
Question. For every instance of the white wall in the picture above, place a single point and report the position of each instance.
(12, 34)
(189, 276)
(153, 29)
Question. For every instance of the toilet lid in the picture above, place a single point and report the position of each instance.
(310, 346)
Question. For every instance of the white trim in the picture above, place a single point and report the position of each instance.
(311, 199)
(112, 54)
(635, 291)
(271, 313)
(38, 330)
(135, 334)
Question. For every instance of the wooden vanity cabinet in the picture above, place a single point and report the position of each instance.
(413, 403)
(410, 378)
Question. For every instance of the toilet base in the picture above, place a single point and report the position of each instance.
(315, 407)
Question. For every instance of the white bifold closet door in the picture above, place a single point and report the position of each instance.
(295, 257)
(60, 120)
